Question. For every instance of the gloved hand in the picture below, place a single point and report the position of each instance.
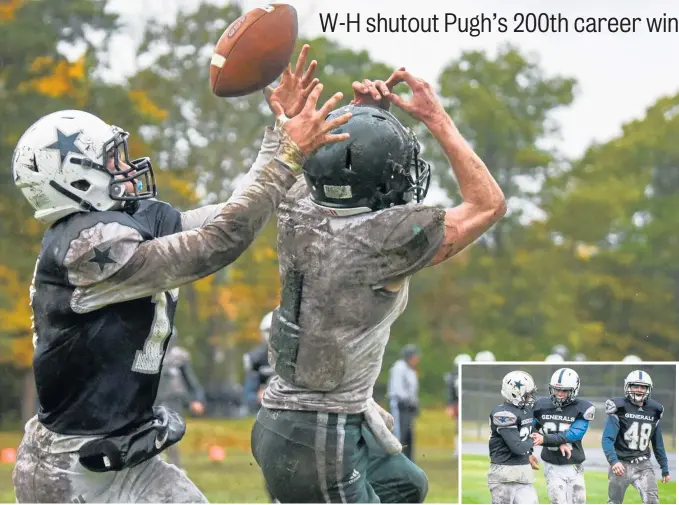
(381, 423)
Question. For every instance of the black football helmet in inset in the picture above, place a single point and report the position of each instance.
(376, 168)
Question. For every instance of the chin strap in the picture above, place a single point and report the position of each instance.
(69, 194)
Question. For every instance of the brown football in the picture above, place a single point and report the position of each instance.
(254, 50)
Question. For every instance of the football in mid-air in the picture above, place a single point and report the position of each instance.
(254, 50)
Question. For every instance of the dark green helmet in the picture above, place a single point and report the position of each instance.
(377, 167)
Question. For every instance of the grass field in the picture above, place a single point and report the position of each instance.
(237, 479)
(475, 487)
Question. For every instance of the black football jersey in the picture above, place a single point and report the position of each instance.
(551, 420)
(97, 368)
(510, 429)
(637, 426)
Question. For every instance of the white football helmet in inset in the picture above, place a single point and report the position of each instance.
(462, 358)
(631, 358)
(61, 164)
(638, 378)
(519, 389)
(484, 356)
(564, 379)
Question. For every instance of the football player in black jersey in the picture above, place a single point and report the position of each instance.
(632, 426)
(105, 290)
(510, 477)
(561, 421)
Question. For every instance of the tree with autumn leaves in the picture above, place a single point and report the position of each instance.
(585, 256)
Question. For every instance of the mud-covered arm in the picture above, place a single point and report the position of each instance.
(196, 218)
(144, 268)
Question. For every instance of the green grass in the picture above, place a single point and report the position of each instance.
(237, 479)
(475, 487)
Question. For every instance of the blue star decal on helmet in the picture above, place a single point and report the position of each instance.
(518, 384)
(65, 144)
(502, 419)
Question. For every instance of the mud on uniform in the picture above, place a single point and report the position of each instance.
(563, 425)
(628, 434)
(104, 296)
(327, 344)
(510, 476)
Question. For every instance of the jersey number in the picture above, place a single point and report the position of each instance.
(523, 433)
(638, 436)
(149, 359)
(550, 427)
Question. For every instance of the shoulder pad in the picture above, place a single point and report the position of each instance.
(582, 405)
(612, 405)
(589, 413)
(407, 237)
(100, 251)
(504, 418)
(657, 406)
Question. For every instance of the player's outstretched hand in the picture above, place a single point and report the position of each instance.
(424, 105)
(665, 479)
(377, 92)
(618, 469)
(534, 463)
(309, 129)
(295, 87)
(538, 439)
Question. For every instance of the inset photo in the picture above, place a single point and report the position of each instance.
(567, 433)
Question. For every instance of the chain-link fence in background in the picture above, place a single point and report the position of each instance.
(480, 389)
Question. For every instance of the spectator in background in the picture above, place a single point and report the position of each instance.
(179, 388)
(402, 392)
(258, 371)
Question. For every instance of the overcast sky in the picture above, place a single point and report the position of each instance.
(619, 74)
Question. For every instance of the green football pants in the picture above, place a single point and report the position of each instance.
(320, 457)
